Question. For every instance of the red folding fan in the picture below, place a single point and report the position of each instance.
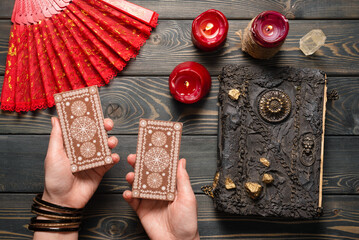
(59, 45)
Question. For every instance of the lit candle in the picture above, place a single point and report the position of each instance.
(209, 30)
(265, 34)
(189, 82)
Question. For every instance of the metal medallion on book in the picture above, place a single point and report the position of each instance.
(274, 106)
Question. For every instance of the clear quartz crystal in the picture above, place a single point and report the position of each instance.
(312, 41)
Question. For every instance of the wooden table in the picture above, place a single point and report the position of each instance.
(141, 90)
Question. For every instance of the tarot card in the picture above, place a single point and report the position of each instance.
(82, 124)
(157, 157)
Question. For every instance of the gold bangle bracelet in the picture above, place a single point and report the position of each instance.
(54, 216)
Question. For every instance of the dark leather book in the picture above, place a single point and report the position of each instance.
(271, 141)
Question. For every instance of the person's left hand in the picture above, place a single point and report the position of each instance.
(164, 219)
(61, 186)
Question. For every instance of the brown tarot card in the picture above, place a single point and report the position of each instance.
(82, 124)
(157, 156)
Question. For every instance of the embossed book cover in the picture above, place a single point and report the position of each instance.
(271, 140)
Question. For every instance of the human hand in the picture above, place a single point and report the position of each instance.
(163, 219)
(61, 186)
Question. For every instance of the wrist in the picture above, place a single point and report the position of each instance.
(62, 201)
(55, 235)
(193, 237)
(54, 220)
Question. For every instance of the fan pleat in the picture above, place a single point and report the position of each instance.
(37, 92)
(125, 51)
(22, 99)
(9, 85)
(93, 55)
(45, 68)
(60, 77)
(105, 50)
(64, 56)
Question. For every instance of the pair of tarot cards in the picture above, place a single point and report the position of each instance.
(85, 141)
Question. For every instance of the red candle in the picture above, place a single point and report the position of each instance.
(189, 82)
(270, 29)
(265, 34)
(209, 30)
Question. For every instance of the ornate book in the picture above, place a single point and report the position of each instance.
(271, 141)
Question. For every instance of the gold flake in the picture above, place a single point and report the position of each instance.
(215, 181)
(265, 162)
(229, 184)
(234, 94)
(267, 178)
(12, 50)
(253, 189)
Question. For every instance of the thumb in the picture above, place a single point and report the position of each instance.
(56, 142)
(184, 188)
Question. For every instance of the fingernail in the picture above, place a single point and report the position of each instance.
(184, 163)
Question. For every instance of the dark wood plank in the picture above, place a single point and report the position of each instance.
(170, 44)
(239, 9)
(21, 158)
(128, 99)
(110, 217)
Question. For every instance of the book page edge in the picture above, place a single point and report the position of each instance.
(322, 147)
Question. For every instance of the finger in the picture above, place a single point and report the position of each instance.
(56, 143)
(184, 188)
(108, 124)
(133, 202)
(115, 159)
(131, 159)
(112, 142)
(130, 177)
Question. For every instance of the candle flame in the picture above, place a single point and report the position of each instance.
(186, 83)
(209, 26)
(269, 28)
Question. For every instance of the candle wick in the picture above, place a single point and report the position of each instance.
(269, 28)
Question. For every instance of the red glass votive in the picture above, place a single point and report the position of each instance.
(209, 30)
(189, 82)
(269, 29)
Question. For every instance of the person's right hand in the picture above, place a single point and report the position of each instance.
(163, 219)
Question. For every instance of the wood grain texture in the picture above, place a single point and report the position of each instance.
(170, 44)
(141, 91)
(127, 99)
(19, 158)
(110, 217)
(239, 9)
